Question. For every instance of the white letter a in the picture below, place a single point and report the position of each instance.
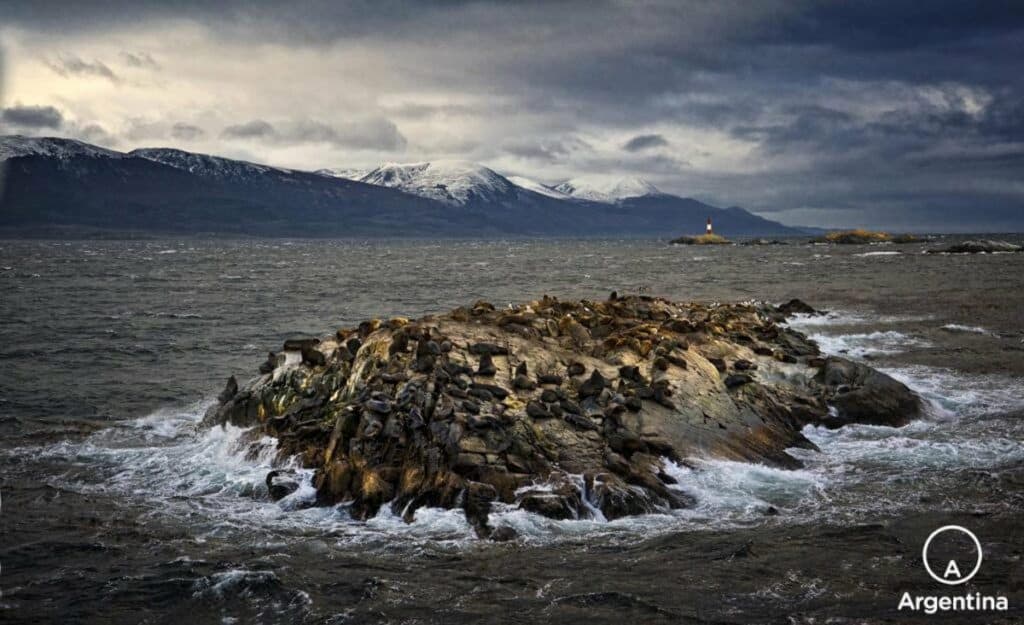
(952, 568)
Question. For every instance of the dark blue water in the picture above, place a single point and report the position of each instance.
(116, 508)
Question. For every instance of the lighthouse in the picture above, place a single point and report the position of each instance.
(708, 230)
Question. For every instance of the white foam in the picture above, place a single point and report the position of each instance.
(886, 253)
(956, 327)
(217, 477)
(804, 320)
(727, 490)
(861, 345)
(953, 393)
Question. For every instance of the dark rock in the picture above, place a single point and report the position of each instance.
(576, 369)
(795, 306)
(550, 378)
(861, 394)
(503, 534)
(280, 484)
(743, 365)
(978, 247)
(353, 345)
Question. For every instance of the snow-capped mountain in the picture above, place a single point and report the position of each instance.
(350, 173)
(204, 164)
(13, 146)
(71, 186)
(452, 182)
(607, 190)
(537, 187)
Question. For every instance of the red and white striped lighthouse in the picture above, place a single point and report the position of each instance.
(709, 226)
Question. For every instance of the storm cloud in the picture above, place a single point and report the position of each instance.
(32, 117)
(886, 114)
(645, 142)
(71, 65)
(374, 133)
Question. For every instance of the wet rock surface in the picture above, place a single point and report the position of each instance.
(980, 246)
(566, 409)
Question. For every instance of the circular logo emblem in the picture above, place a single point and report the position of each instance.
(951, 575)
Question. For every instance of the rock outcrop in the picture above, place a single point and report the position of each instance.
(701, 239)
(855, 237)
(978, 247)
(566, 409)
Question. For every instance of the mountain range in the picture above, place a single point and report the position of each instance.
(55, 186)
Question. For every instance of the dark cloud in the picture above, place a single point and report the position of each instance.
(255, 129)
(186, 132)
(550, 150)
(71, 65)
(94, 133)
(645, 142)
(371, 133)
(141, 60)
(32, 117)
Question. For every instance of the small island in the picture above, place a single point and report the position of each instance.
(708, 238)
(701, 239)
(858, 236)
(979, 246)
(568, 409)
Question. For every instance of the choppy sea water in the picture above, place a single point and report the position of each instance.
(116, 508)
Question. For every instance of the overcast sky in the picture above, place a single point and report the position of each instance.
(886, 114)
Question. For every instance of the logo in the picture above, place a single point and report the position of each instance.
(947, 553)
(951, 573)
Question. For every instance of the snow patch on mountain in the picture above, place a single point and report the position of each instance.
(345, 173)
(204, 164)
(537, 187)
(453, 182)
(607, 190)
(13, 146)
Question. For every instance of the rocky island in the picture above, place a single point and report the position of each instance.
(978, 246)
(568, 409)
(858, 236)
(701, 239)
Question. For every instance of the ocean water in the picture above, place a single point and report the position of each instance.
(117, 508)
